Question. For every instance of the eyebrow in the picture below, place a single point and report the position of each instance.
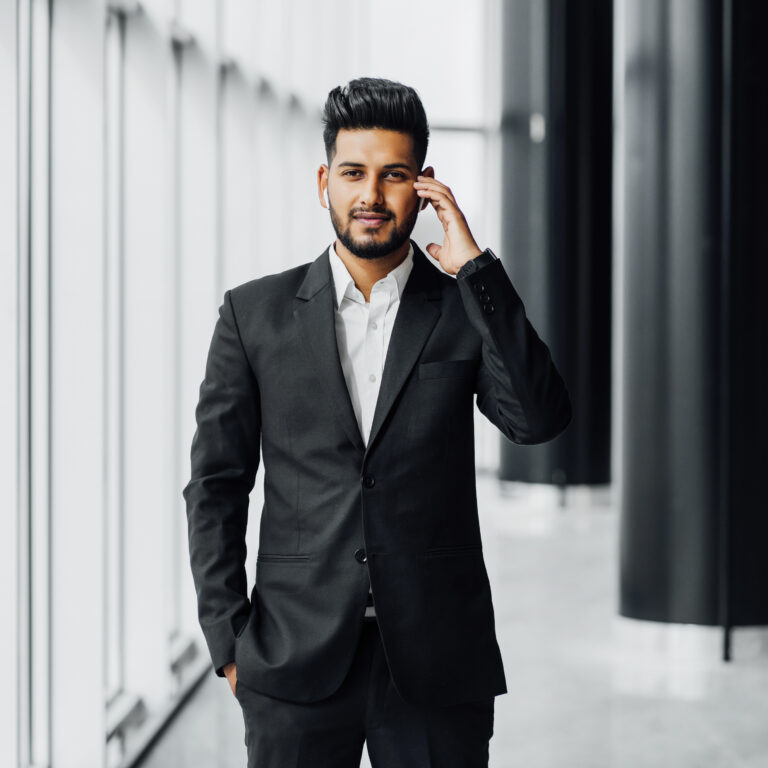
(350, 164)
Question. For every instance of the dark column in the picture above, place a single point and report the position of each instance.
(744, 329)
(557, 224)
(693, 531)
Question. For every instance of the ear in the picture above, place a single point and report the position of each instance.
(322, 185)
(428, 171)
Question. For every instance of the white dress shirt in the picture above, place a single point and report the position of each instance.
(363, 330)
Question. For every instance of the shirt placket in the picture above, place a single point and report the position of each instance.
(374, 346)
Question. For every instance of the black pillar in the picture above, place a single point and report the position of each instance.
(745, 281)
(556, 233)
(693, 532)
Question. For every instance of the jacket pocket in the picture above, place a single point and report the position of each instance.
(459, 549)
(443, 369)
(278, 574)
(268, 557)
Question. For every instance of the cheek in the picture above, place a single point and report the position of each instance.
(341, 205)
(405, 203)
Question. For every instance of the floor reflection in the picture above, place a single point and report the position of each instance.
(586, 687)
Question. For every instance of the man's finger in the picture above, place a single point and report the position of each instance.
(432, 180)
(445, 208)
(448, 201)
(434, 184)
(437, 195)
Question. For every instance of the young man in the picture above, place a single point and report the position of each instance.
(371, 616)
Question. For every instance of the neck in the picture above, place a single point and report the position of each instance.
(366, 272)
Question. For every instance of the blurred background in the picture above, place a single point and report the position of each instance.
(612, 152)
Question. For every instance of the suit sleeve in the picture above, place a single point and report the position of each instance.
(518, 387)
(224, 462)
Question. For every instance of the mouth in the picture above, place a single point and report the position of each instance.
(371, 219)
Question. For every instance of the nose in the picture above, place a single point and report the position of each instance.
(371, 194)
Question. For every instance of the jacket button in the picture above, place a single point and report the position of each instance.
(360, 555)
(488, 308)
(484, 296)
(479, 287)
(368, 481)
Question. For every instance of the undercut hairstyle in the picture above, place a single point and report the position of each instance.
(372, 102)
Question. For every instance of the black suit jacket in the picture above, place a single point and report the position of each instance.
(401, 511)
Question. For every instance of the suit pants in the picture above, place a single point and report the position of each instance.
(366, 708)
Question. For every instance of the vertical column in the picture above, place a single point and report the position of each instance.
(669, 513)
(146, 504)
(693, 533)
(743, 278)
(77, 495)
(556, 230)
(35, 291)
(12, 399)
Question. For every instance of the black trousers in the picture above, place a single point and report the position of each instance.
(366, 708)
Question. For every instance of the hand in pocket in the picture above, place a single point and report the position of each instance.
(230, 670)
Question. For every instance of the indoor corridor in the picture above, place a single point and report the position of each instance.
(587, 688)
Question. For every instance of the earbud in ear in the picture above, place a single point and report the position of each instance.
(325, 193)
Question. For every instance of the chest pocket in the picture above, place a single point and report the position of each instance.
(444, 369)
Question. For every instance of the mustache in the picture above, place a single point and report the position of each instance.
(376, 211)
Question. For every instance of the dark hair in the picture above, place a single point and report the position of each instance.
(372, 102)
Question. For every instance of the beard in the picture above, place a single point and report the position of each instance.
(368, 247)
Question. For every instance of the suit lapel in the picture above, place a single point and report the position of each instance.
(315, 316)
(416, 317)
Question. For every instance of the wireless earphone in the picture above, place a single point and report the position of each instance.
(327, 202)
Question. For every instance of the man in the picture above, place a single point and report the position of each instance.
(371, 616)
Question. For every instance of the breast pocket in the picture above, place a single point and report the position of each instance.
(444, 369)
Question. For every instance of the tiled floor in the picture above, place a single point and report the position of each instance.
(587, 689)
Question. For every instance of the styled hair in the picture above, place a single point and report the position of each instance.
(373, 102)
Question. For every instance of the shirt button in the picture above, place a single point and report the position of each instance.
(373, 325)
(368, 481)
(372, 377)
(360, 555)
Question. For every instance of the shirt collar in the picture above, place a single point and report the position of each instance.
(344, 285)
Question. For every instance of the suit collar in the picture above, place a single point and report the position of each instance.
(423, 277)
(344, 285)
(416, 317)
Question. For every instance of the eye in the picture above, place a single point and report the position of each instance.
(350, 173)
(398, 174)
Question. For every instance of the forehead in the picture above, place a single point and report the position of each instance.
(373, 146)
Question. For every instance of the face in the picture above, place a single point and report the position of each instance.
(373, 203)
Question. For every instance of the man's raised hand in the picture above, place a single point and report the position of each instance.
(458, 246)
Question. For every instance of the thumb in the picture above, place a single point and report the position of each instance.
(432, 250)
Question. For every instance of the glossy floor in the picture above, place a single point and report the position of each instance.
(587, 689)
